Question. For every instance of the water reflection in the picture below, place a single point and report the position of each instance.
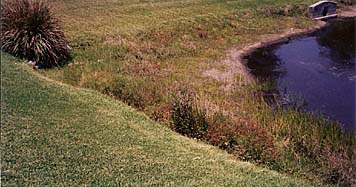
(320, 68)
(340, 39)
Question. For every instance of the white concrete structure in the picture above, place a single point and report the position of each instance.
(323, 10)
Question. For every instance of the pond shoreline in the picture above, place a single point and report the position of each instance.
(313, 72)
(346, 12)
(236, 61)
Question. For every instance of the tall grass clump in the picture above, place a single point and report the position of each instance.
(29, 30)
(188, 118)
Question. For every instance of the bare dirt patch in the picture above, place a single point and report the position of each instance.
(234, 62)
(348, 12)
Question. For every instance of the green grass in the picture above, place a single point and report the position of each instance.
(160, 45)
(143, 52)
(56, 135)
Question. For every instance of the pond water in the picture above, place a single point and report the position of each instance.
(318, 69)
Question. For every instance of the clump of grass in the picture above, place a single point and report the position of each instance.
(188, 118)
(29, 30)
(245, 140)
(340, 167)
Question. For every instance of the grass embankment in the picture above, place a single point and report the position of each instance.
(142, 52)
(57, 135)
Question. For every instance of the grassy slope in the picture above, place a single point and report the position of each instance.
(57, 135)
(111, 38)
(125, 17)
(152, 48)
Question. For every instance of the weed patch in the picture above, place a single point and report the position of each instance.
(188, 118)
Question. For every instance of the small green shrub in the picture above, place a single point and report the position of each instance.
(29, 30)
(188, 119)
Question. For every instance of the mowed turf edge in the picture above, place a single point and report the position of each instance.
(58, 135)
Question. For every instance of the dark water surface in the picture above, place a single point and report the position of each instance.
(318, 68)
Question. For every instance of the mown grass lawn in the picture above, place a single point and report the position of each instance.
(53, 134)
